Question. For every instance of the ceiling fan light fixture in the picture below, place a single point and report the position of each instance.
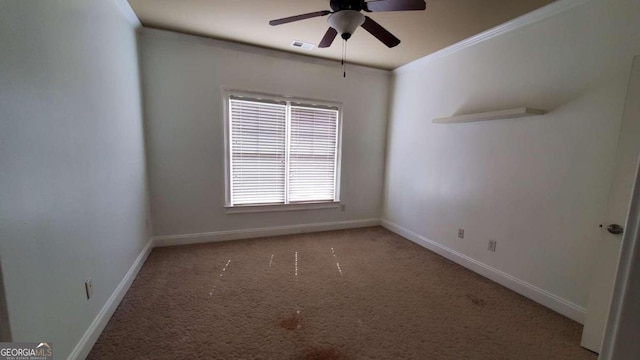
(346, 22)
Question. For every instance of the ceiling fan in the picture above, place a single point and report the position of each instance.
(345, 16)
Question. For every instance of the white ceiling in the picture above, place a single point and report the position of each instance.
(444, 23)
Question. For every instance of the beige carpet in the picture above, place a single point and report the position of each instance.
(387, 299)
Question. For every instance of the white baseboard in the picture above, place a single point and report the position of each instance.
(553, 302)
(90, 336)
(556, 303)
(172, 240)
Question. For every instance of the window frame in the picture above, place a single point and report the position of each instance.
(290, 101)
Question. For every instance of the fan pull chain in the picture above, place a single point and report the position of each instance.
(342, 55)
(344, 58)
(344, 67)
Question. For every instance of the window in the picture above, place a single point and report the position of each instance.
(281, 151)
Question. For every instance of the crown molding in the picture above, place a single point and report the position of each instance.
(128, 13)
(171, 35)
(537, 15)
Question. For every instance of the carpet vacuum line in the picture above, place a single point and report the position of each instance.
(337, 263)
(219, 276)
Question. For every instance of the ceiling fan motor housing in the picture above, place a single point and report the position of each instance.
(357, 5)
(346, 22)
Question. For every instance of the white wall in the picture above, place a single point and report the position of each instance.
(5, 329)
(538, 186)
(183, 81)
(72, 178)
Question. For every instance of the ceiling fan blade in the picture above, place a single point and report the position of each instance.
(299, 17)
(395, 5)
(328, 37)
(379, 32)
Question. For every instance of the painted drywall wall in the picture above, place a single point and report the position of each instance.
(539, 186)
(184, 77)
(5, 330)
(72, 178)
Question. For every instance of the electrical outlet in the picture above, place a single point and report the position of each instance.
(343, 207)
(461, 233)
(88, 286)
(492, 245)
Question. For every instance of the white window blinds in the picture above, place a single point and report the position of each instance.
(312, 154)
(258, 140)
(282, 152)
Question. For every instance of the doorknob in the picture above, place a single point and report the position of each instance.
(615, 229)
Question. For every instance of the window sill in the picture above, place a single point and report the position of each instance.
(281, 207)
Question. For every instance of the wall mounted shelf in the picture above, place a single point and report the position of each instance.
(492, 115)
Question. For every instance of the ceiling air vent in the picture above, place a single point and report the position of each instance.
(302, 45)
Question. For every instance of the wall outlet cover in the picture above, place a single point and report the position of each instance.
(492, 245)
(461, 233)
(88, 286)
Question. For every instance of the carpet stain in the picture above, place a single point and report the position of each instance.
(476, 300)
(323, 354)
(291, 323)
